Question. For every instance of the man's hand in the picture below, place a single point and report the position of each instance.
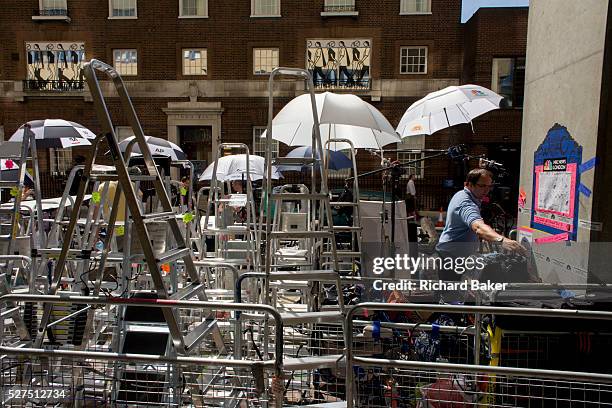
(513, 246)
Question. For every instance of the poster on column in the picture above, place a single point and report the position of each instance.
(555, 183)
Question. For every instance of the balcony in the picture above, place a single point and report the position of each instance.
(339, 10)
(71, 85)
(59, 14)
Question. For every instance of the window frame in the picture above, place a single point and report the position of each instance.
(412, 143)
(123, 50)
(201, 49)
(407, 47)
(254, 60)
(181, 15)
(253, 15)
(495, 76)
(110, 12)
(257, 131)
(416, 13)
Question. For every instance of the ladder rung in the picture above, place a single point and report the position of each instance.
(346, 228)
(103, 177)
(157, 216)
(301, 234)
(317, 275)
(173, 255)
(8, 183)
(294, 160)
(342, 254)
(194, 337)
(233, 230)
(9, 312)
(343, 204)
(188, 291)
(142, 177)
(299, 196)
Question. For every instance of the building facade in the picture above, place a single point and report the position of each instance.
(197, 69)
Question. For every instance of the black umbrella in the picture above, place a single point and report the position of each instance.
(56, 133)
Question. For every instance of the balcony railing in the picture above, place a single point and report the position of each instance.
(338, 8)
(53, 85)
(54, 14)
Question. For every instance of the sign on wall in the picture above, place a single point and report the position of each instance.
(555, 183)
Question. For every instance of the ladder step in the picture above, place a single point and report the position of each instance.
(158, 216)
(142, 177)
(103, 177)
(346, 228)
(195, 336)
(173, 255)
(231, 230)
(312, 362)
(294, 160)
(316, 275)
(8, 183)
(290, 318)
(9, 312)
(299, 196)
(188, 291)
(342, 254)
(344, 204)
(301, 234)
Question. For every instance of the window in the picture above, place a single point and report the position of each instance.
(53, 8)
(339, 5)
(60, 161)
(413, 60)
(123, 132)
(265, 8)
(194, 61)
(193, 8)
(259, 143)
(508, 80)
(415, 6)
(126, 62)
(264, 60)
(55, 66)
(339, 63)
(412, 144)
(122, 8)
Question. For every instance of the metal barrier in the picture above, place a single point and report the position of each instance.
(444, 385)
(106, 377)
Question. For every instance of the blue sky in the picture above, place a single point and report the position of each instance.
(470, 6)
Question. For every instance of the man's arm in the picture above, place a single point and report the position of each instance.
(488, 234)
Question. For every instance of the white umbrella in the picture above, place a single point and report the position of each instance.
(157, 147)
(56, 133)
(233, 167)
(447, 107)
(340, 116)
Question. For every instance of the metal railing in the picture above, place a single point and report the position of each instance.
(50, 12)
(328, 8)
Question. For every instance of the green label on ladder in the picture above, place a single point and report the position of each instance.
(14, 191)
(187, 217)
(95, 197)
(183, 191)
(120, 230)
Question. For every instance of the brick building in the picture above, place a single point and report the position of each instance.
(196, 70)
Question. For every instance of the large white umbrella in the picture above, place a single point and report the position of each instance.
(342, 116)
(447, 107)
(233, 167)
(56, 133)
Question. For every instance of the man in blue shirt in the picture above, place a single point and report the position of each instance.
(464, 225)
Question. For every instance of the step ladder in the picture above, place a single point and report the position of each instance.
(183, 344)
(349, 258)
(28, 153)
(318, 234)
(22, 320)
(245, 251)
